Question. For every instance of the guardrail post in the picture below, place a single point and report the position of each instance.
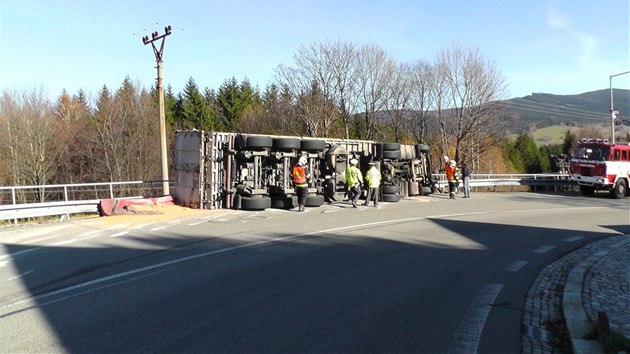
(65, 197)
(111, 190)
(13, 199)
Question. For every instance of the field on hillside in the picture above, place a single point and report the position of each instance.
(550, 135)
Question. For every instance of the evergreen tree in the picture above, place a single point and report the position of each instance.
(194, 110)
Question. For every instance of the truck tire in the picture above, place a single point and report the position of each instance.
(286, 143)
(312, 145)
(391, 154)
(258, 142)
(422, 149)
(390, 189)
(391, 146)
(620, 190)
(314, 200)
(391, 198)
(284, 202)
(255, 203)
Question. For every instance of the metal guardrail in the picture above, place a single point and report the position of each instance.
(66, 199)
(495, 180)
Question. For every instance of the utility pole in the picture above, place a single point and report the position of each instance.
(613, 113)
(160, 87)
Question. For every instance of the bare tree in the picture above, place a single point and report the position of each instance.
(327, 68)
(28, 138)
(423, 78)
(399, 100)
(473, 83)
(375, 72)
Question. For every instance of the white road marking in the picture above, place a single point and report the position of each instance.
(543, 249)
(12, 255)
(21, 275)
(159, 228)
(469, 331)
(515, 266)
(122, 233)
(573, 239)
(137, 227)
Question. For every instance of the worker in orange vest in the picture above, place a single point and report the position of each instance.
(301, 176)
(450, 168)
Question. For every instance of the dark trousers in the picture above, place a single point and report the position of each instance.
(301, 192)
(451, 189)
(355, 193)
(372, 193)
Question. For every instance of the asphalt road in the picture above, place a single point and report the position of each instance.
(427, 275)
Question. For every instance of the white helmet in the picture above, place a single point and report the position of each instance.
(302, 160)
(354, 161)
(452, 163)
(445, 158)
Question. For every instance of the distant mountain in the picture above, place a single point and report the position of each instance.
(541, 110)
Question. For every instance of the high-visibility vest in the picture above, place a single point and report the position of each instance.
(373, 177)
(299, 176)
(450, 172)
(353, 176)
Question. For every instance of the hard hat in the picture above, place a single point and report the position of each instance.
(302, 160)
(445, 158)
(452, 163)
(354, 161)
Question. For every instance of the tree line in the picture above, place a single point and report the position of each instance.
(331, 89)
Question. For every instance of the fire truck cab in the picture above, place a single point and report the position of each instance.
(599, 165)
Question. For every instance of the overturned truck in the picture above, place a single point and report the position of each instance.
(253, 172)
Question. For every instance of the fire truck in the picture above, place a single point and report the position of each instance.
(253, 171)
(599, 165)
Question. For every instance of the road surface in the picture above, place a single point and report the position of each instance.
(426, 275)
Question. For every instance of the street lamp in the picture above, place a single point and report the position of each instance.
(613, 113)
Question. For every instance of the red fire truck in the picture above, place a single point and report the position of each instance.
(599, 165)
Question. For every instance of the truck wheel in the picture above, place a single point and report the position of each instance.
(314, 200)
(284, 202)
(620, 189)
(391, 146)
(258, 142)
(254, 203)
(391, 154)
(391, 198)
(422, 148)
(286, 144)
(312, 145)
(390, 189)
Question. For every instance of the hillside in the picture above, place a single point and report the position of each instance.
(540, 110)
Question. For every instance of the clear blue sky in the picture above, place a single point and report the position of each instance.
(551, 46)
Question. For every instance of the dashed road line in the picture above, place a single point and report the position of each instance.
(543, 249)
(21, 275)
(118, 234)
(573, 239)
(515, 266)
